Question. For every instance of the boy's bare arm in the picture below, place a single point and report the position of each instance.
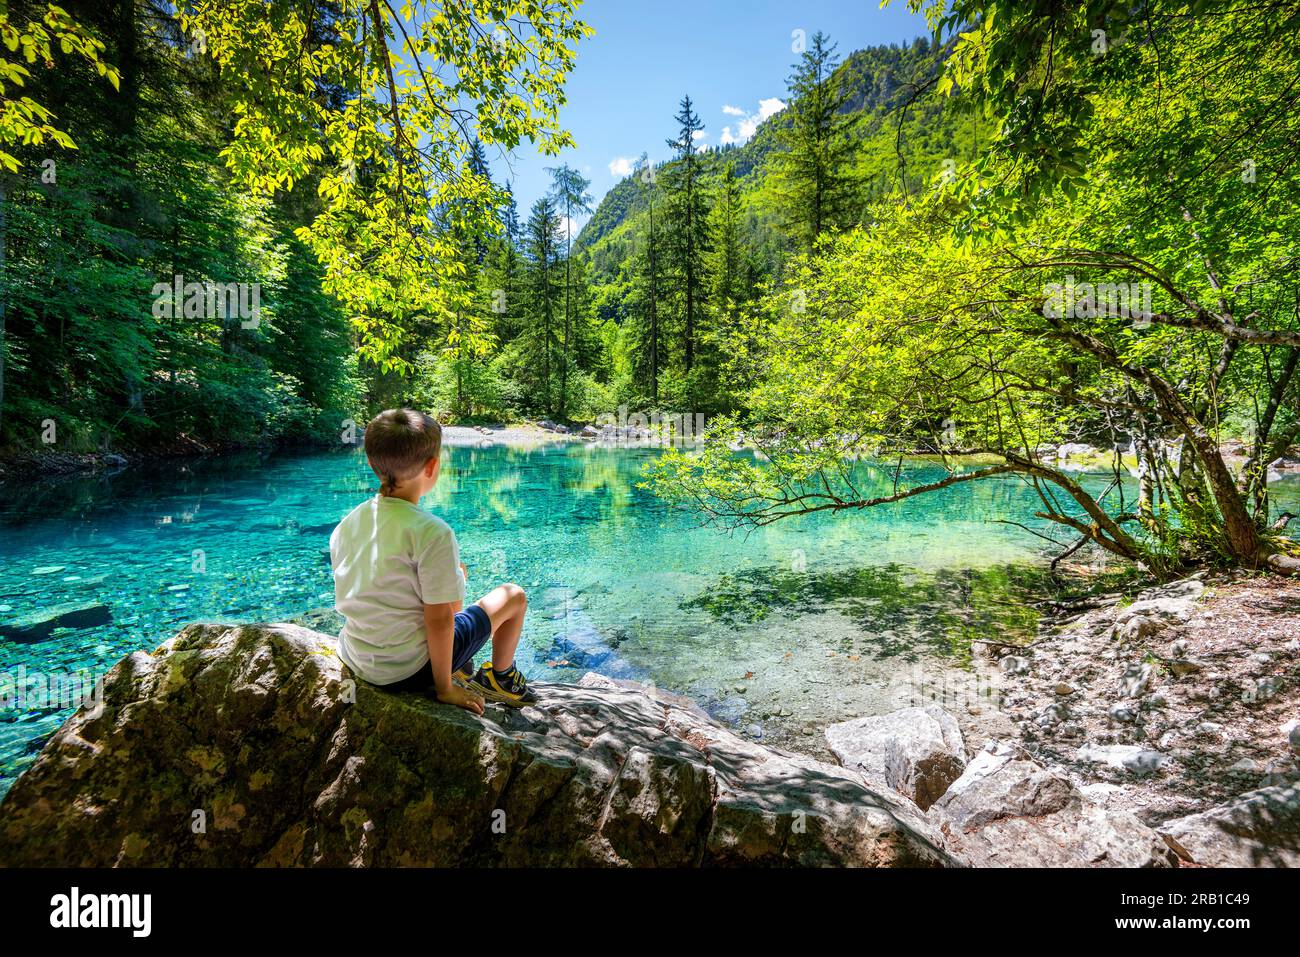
(439, 629)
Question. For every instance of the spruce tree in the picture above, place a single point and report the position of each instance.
(647, 349)
(814, 188)
(569, 190)
(726, 278)
(687, 227)
(543, 254)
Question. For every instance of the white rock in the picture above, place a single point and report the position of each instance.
(1123, 757)
(1122, 713)
(1256, 829)
(1102, 793)
(1074, 448)
(1137, 678)
(1006, 810)
(1137, 628)
(1014, 665)
(1174, 602)
(916, 751)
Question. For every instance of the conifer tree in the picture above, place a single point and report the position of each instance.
(813, 188)
(569, 190)
(687, 228)
(543, 254)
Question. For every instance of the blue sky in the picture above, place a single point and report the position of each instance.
(646, 54)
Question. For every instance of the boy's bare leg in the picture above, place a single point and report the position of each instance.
(505, 606)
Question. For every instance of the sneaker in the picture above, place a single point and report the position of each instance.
(507, 687)
(462, 677)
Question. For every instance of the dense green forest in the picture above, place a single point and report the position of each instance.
(1118, 264)
(145, 197)
(133, 217)
(244, 221)
(543, 324)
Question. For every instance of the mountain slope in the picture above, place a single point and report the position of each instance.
(905, 138)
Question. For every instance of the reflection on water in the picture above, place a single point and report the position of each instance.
(617, 583)
(899, 611)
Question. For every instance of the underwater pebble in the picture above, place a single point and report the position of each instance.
(48, 569)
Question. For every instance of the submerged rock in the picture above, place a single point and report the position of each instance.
(40, 625)
(252, 745)
(325, 620)
(916, 751)
(1007, 810)
(1257, 829)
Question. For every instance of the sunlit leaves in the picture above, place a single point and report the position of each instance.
(379, 106)
(23, 121)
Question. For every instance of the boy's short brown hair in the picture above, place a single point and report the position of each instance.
(399, 442)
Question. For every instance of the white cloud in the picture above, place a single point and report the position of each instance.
(748, 124)
(769, 107)
(699, 135)
(621, 166)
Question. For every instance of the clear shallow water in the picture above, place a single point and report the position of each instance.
(617, 583)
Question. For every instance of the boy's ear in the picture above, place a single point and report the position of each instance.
(432, 466)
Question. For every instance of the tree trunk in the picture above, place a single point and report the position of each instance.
(3, 279)
(1103, 530)
(654, 311)
(568, 253)
(1241, 537)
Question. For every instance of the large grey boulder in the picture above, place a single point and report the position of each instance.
(1256, 829)
(1003, 782)
(916, 751)
(253, 745)
(1007, 810)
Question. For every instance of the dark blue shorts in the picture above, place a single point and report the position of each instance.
(473, 629)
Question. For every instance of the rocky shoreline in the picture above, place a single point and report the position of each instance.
(49, 463)
(1155, 732)
(252, 745)
(1161, 730)
(1180, 707)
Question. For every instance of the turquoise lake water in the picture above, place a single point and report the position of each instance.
(793, 623)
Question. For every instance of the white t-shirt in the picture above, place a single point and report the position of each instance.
(391, 558)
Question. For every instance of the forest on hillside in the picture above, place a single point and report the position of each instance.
(240, 222)
(136, 194)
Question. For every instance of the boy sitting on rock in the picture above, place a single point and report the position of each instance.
(399, 583)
